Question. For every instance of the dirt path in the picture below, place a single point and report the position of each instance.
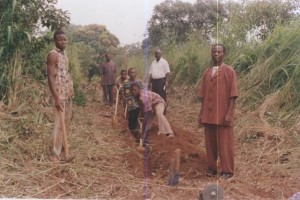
(107, 165)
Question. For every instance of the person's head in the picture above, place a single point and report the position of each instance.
(60, 39)
(123, 74)
(132, 73)
(218, 53)
(107, 56)
(157, 54)
(135, 89)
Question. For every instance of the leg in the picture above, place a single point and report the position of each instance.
(158, 86)
(133, 123)
(163, 124)
(148, 118)
(226, 149)
(105, 94)
(57, 142)
(111, 94)
(210, 132)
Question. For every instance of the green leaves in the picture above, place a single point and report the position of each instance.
(13, 6)
(1, 51)
(20, 21)
(9, 35)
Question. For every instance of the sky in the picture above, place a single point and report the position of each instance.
(126, 19)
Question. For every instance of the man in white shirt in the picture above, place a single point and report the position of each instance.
(159, 72)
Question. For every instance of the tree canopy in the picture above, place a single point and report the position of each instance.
(176, 20)
(96, 36)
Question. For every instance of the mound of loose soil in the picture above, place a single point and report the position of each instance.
(157, 162)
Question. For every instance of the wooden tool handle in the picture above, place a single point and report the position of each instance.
(64, 134)
(117, 101)
(177, 160)
(125, 113)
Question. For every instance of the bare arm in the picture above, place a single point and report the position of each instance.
(51, 63)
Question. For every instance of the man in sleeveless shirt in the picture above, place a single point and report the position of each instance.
(60, 84)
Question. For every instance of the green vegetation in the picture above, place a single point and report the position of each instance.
(22, 42)
(274, 69)
(260, 36)
(262, 40)
(262, 43)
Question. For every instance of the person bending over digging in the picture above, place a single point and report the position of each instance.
(60, 84)
(123, 78)
(133, 107)
(152, 105)
(218, 92)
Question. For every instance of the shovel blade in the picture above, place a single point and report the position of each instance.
(114, 122)
(174, 179)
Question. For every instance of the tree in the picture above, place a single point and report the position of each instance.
(170, 18)
(92, 41)
(96, 36)
(263, 16)
(21, 38)
(207, 16)
(176, 20)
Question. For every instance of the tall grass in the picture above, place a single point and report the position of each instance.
(276, 68)
(187, 60)
(15, 66)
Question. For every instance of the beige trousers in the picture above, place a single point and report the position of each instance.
(163, 124)
(57, 134)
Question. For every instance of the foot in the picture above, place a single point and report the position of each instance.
(211, 172)
(169, 134)
(54, 158)
(226, 176)
(69, 158)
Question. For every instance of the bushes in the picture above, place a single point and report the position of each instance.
(80, 98)
(276, 69)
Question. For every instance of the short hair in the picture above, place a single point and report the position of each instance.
(131, 68)
(58, 32)
(221, 45)
(157, 50)
(123, 70)
(135, 84)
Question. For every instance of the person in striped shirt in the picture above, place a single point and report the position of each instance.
(152, 105)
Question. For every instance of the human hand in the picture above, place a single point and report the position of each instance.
(227, 119)
(58, 105)
(166, 84)
(71, 95)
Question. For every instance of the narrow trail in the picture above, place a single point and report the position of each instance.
(113, 153)
(107, 165)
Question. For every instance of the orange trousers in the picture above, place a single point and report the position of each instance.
(219, 141)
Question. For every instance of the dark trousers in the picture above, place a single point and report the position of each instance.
(133, 116)
(219, 141)
(158, 86)
(108, 94)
